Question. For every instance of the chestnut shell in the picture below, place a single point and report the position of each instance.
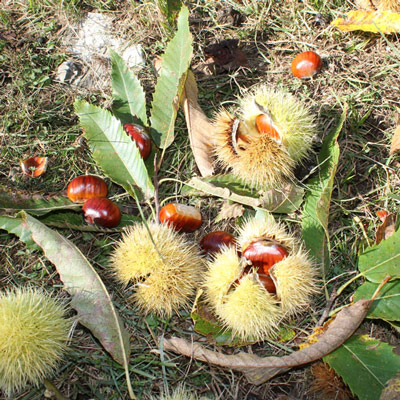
(34, 166)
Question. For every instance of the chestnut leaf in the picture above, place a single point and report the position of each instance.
(315, 215)
(381, 260)
(89, 295)
(112, 148)
(170, 83)
(128, 94)
(374, 362)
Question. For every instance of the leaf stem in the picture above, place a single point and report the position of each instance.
(350, 281)
(156, 189)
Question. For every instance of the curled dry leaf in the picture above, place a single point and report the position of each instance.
(34, 166)
(386, 229)
(369, 21)
(395, 145)
(258, 369)
(283, 200)
(229, 210)
(199, 126)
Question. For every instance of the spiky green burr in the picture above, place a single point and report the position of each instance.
(33, 337)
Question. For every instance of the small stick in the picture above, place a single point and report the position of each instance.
(384, 282)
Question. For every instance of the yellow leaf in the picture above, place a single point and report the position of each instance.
(369, 21)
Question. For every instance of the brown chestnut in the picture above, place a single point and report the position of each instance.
(215, 241)
(265, 280)
(264, 253)
(141, 138)
(181, 217)
(34, 166)
(102, 211)
(268, 283)
(306, 65)
(85, 187)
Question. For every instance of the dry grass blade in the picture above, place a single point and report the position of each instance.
(257, 369)
(395, 145)
(199, 127)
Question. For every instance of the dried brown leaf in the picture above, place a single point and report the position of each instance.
(386, 229)
(226, 55)
(257, 369)
(199, 126)
(230, 210)
(395, 145)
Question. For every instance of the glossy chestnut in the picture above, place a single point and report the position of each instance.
(264, 279)
(85, 187)
(215, 241)
(268, 283)
(264, 253)
(141, 138)
(306, 65)
(102, 211)
(34, 166)
(181, 217)
(265, 125)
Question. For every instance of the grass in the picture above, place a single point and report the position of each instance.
(37, 118)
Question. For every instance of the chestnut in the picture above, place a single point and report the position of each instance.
(265, 280)
(215, 241)
(265, 125)
(306, 65)
(181, 217)
(264, 254)
(85, 187)
(268, 283)
(141, 138)
(102, 211)
(34, 166)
